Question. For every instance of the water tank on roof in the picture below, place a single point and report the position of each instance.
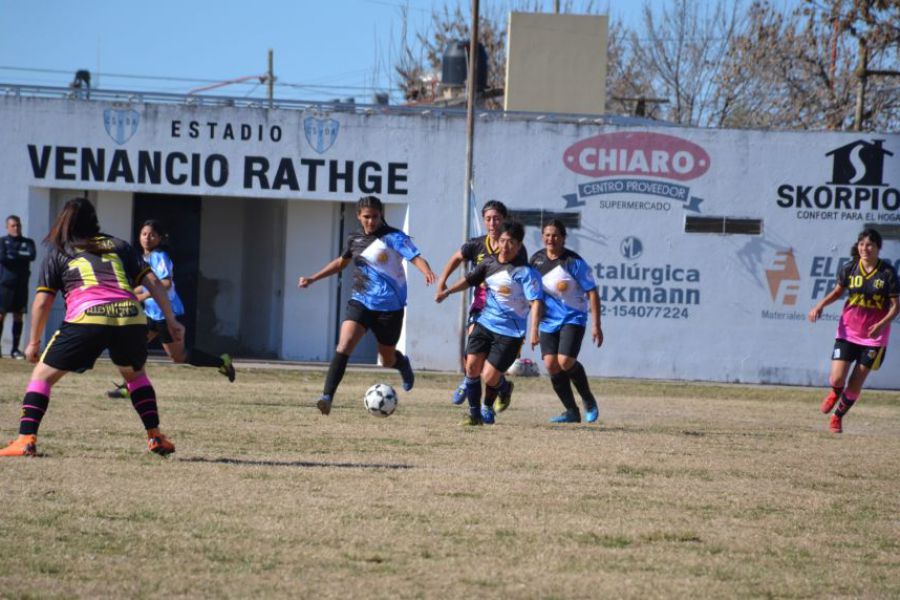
(454, 70)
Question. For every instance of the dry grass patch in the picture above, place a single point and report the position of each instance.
(682, 490)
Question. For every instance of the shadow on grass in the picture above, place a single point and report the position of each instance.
(302, 464)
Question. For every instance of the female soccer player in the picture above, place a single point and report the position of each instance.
(568, 290)
(865, 323)
(512, 287)
(379, 293)
(155, 255)
(96, 273)
(472, 253)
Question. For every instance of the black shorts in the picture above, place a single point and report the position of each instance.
(161, 330)
(867, 356)
(501, 350)
(385, 324)
(14, 298)
(565, 341)
(76, 347)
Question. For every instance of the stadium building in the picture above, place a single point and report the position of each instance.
(709, 246)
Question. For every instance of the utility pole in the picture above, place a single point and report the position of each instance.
(470, 151)
(270, 79)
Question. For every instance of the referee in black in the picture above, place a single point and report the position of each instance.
(16, 254)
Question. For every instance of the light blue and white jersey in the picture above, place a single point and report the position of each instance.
(161, 265)
(379, 279)
(566, 281)
(511, 288)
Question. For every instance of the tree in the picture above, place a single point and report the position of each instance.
(803, 70)
(683, 55)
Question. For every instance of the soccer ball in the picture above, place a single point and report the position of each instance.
(524, 367)
(380, 400)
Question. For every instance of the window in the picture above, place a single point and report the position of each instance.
(722, 225)
(888, 232)
(536, 218)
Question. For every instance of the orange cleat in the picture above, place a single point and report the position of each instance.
(829, 402)
(157, 443)
(835, 425)
(24, 445)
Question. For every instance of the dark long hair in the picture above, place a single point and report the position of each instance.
(560, 226)
(495, 205)
(75, 226)
(515, 230)
(371, 202)
(160, 230)
(873, 236)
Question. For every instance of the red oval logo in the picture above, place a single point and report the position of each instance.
(640, 153)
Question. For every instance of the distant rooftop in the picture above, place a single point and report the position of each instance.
(212, 101)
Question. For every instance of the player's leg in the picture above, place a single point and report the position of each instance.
(2, 316)
(120, 391)
(571, 337)
(503, 354)
(198, 358)
(840, 367)
(72, 348)
(17, 327)
(869, 360)
(351, 332)
(386, 328)
(128, 351)
(459, 394)
(34, 406)
(475, 361)
(559, 379)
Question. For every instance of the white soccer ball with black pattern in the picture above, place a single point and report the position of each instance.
(380, 400)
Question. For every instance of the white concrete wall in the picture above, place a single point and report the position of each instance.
(746, 325)
(309, 314)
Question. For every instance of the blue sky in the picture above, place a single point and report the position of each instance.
(323, 49)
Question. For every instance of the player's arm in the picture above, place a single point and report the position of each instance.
(892, 312)
(456, 287)
(816, 310)
(536, 314)
(40, 312)
(451, 266)
(328, 270)
(159, 293)
(596, 330)
(422, 265)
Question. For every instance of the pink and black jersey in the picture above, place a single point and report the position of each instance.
(474, 252)
(868, 301)
(97, 287)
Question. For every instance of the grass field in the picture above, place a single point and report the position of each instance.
(680, 490)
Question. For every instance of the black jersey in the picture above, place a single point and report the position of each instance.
(97, 287)
(16, 254)
(478, 248)
(379, 281)
(868, 301)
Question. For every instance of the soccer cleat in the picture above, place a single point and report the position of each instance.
(157, 443)
(835, 425)
(406, 372)
(17, 355)
(487, 415)
(829, 402)
(459, 394)
(227, 367)
(471, 421)
(503, 400)
(24, 445)
(324, 404)
(119, 393)
(567, 417)
(591, 411)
